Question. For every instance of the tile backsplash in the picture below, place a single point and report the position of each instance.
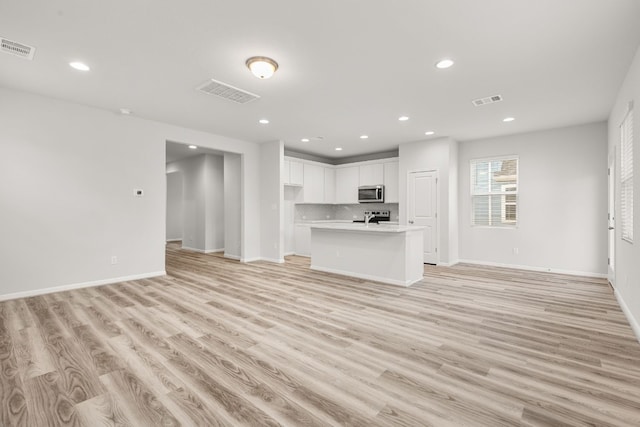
(314, 212)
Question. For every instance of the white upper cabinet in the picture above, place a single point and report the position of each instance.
(292, 173)
(347, 181)
(371, 174)
(391, 182)
(313, 184)
(296, 174)
(329, 185)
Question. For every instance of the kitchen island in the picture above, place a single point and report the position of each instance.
(388, 253)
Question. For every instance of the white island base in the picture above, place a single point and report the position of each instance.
(384, 253)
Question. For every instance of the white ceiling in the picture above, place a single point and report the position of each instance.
(347, 67)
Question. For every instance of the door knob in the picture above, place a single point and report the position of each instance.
(410, 221)
(610, 228)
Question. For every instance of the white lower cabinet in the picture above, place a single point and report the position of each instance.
(302, 238)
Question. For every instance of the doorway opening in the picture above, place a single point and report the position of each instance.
(203, 199)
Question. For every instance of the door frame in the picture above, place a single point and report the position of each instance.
(437, 236)
(611, 218)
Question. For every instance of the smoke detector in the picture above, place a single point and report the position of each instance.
(17, 49)
(223, 90)
(488, 100)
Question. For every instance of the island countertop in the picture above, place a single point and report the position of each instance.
(361, 227)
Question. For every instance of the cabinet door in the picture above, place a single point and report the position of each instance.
(372, 174)
(391, 182)
(296, 173)
(285, 172)
(329, 185)
(303, 240)
(313, 184)
(347, 180)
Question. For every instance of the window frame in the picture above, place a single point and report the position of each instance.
(504, 224)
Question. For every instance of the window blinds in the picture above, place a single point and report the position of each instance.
(494, 192)
(626, 176)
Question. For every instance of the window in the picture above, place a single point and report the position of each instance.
(626, 176)
(494, 192)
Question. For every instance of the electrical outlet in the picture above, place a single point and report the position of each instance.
(114, 260)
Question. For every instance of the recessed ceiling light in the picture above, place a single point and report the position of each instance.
(364, 136)
(338, 148)
(430, 132)
(193, 147)
(444, 63)
(79, 66)
(305, 140)
(403, 118)
(263, 121)
(508, 119)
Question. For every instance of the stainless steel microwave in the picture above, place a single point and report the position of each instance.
(371, 194)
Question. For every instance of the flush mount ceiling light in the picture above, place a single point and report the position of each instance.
(193, 147)
(261, 66)
(79, 66)
(338, 148)
(364, 136)
(305, 140)
(403, 118)
(508, 119)
(125, 111)
(430, 132)
(444, 63)
(263, 121)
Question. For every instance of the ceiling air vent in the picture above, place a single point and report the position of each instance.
(17, 49)
(223, 90)
(488, 100)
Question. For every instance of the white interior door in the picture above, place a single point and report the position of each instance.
(422, 198)
(611, 221)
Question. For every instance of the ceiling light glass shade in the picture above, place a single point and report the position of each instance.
(193, 147)
(508, 119)
(262, 67)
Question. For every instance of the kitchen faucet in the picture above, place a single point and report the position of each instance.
(368, 217)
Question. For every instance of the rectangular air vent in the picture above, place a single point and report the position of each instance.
(17, 49)
(223, 90)
(488, 100)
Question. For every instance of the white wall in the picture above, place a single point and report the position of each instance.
(66, 186)
(272, 201)
(174, 206)
(214, 199)
(562, 224)
(627, 258)
(232, 205)
(440, 155)
(202, 201)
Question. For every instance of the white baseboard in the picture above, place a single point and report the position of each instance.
(635, 325)
(448, 264)
(530, 268)
(250, 259)
(36, 292)
(234, 257)
(201, 251)
(174, 240)
(366, 276)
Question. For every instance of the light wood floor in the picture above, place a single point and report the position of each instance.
(217, 342)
